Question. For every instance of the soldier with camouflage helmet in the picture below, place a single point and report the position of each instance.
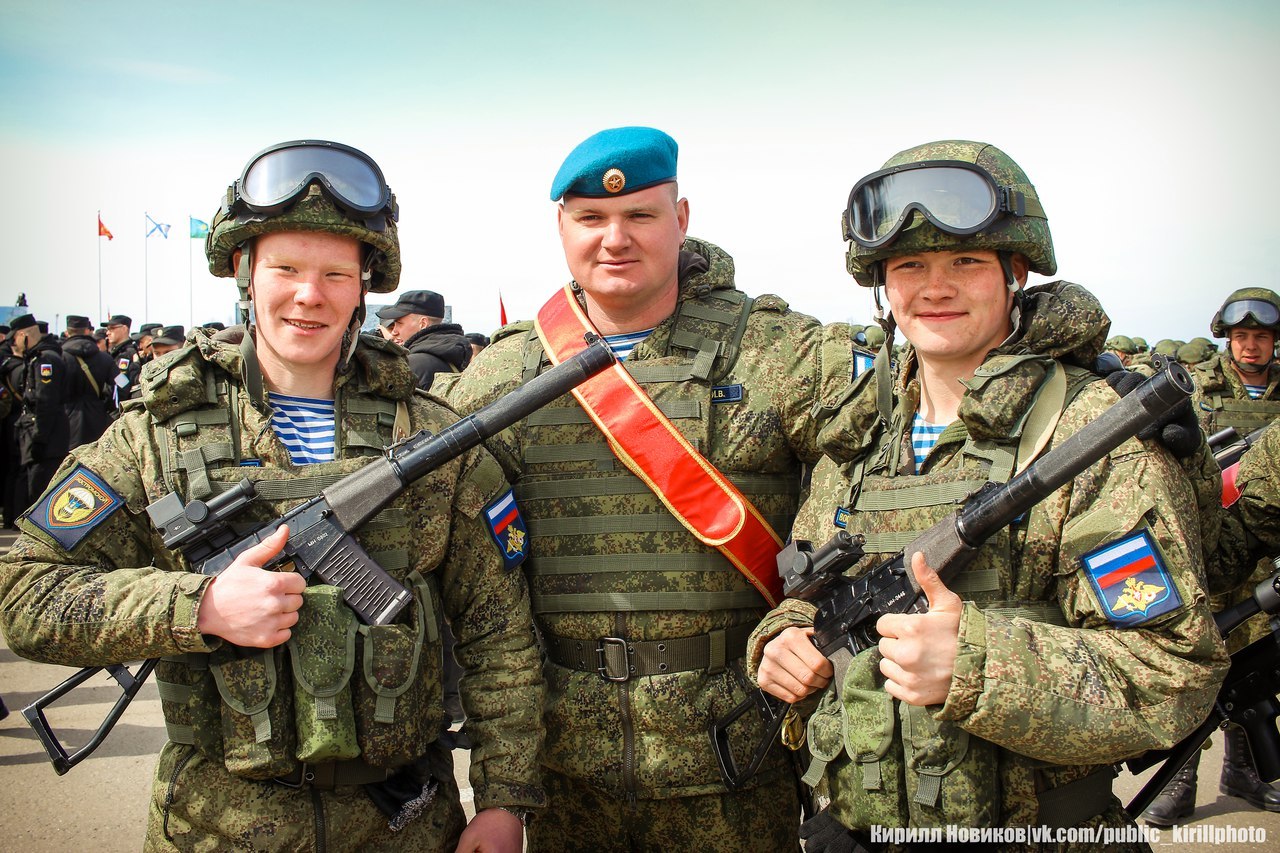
(1196, 350)
(1007, 703)
(1123, 346)
(292, 726)
(1238, 388)
(643, 613)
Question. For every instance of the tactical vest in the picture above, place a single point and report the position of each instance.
(877, 754)
(1243, 414)
(339, 689)
(603, 543)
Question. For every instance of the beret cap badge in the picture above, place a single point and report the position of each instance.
(614, 180)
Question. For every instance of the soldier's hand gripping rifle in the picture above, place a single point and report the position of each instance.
(848, 608)
(1247, 698)
(320, 539)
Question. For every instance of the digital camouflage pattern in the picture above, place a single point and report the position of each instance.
(1040, 699)
(747, 822)
(120, 596)
(1027, 235)
(1196, 350)
(596, 528)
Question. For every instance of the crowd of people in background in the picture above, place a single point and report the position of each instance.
(59, 390)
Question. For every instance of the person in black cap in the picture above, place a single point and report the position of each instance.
(478, 342)
(42, 433)
(14, 485)
(90, 382)
(142, 340)
(167, 340)
(417, 324)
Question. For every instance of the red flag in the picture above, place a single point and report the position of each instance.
(502, 311)
(102, 229)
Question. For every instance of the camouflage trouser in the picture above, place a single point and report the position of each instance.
(197, 805)
(584, 818)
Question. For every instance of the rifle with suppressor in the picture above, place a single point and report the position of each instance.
(848, 608)
(1247, 698)
(321, 540)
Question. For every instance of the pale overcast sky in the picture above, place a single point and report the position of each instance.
(1146, 128)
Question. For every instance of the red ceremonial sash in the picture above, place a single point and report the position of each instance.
(699, 496)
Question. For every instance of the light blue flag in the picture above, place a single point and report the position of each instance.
(162, 227)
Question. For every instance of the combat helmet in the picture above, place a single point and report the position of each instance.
(945, 195)
(1167, 348)
(1196, 350)
(1123, 344)
(308, 185)
(1250, 307)
(1141, 344)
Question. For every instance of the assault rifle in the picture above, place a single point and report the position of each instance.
(321, 541)
(1247, 698)
(849, 607)
(1228, 446)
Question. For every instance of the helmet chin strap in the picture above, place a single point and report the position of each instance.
(357, 318)
(1015, 287)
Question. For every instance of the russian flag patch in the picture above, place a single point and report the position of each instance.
(862, 362)
(1131, 580)
(508, 529)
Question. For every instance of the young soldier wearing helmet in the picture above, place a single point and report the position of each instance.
(297, 746)
(1237, 388)
(1009, 700)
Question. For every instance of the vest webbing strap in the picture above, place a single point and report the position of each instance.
(642, 372)
(561, 417)
(594, 602)
(179, 733)
(172, 692)
(1075, 802)
(595, 525)
(912, 497)
(196, 463)
(706, 503)
(627, 563)
(544, 453)
(582, 487)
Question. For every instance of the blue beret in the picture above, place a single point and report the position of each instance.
(615, 162)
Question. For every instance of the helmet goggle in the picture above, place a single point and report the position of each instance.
(957, 197)
(281, 174)
(1264, 313)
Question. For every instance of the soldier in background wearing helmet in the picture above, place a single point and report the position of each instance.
(297, 746)
(1123, 347)
(1032, 674)
(1238, 388)
(1196, 350)
(644, 619)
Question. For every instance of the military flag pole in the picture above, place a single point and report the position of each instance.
(146, 277)
(99, 264)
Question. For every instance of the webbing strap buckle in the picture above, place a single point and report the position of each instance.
(613, 659)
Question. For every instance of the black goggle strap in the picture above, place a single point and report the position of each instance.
(242, 283)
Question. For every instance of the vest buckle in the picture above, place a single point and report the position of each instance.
(613, 659)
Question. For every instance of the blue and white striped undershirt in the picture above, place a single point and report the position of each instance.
(623, 344)
(304, 425)
(924, 436)
(1255, 391)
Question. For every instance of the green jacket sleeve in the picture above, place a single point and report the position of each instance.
(1104, 691)
(118, 594)
(502, 689)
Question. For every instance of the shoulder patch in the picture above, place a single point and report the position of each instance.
(1131, 580)
(507, 527)
(841, 518)
(46, 372)
(71, 510)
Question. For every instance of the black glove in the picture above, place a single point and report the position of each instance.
(822, 833)
(1178, 430)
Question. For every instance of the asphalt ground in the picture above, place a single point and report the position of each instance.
(101, 804)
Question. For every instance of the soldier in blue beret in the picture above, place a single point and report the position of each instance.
(644, 622)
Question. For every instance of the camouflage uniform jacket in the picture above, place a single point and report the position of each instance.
(117, 594)
(1047, 688)
(1221, 400)
(608, 560)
